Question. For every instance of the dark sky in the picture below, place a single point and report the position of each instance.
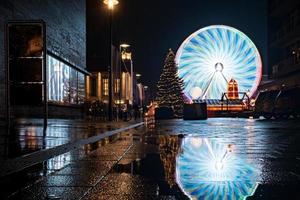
(152, 27)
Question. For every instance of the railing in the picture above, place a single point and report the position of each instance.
(244, 101)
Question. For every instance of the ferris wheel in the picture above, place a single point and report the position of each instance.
(214, 55)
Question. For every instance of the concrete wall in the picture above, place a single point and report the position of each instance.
(66, 29)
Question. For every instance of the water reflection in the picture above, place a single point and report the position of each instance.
(210, 169)
(169, 147)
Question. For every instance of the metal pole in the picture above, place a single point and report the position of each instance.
(131, 71)
(45, 77)
(7, 78)
(119, 84)
(110, 68)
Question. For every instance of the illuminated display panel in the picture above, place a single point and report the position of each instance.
(73, 91)
(81, 88)
(209, 169)
(212, 56)
(65, 84)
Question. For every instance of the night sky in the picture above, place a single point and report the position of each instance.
(152, 27)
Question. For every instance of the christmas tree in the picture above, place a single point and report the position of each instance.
(169, 87)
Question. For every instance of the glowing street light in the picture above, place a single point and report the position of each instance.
(124, 45)
(111, 3)
(126, 56)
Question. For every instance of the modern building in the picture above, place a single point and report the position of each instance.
(61, 48)
(283, 44)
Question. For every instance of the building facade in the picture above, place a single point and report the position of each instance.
(283, 44)
(65, 23)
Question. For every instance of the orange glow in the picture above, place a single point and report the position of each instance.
(111, 3)
(224, 108)
(232, 89)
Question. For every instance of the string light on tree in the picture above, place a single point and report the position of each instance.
(169, 86)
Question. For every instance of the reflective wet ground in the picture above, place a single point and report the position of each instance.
(29, 136)
(221, 158)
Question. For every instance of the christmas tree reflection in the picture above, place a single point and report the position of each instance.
(169, 147)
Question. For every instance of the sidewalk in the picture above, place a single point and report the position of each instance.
(29, 136)
(71, 175)
(128, 167)
(73, 141)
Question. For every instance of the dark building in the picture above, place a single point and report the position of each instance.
(66, 50)
(283, 44)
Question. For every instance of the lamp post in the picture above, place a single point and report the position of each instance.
(110, 5)
(127, 56)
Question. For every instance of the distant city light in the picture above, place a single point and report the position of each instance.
(138, 75)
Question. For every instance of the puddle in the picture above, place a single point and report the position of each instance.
(207, 168)
(193, 167)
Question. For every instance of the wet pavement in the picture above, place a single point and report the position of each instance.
(220, 158)
(29, 136)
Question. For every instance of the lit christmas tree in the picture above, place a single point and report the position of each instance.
(169, 86)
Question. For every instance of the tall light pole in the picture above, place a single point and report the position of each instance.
(110, 5)
(127, 56)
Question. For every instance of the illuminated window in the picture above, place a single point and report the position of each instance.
(81, 88)
(58, 81)
(105, 87)
(65, 84)
(117, 86)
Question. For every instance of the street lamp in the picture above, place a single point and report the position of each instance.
(127, 56)
(110, 5)
(124, 46)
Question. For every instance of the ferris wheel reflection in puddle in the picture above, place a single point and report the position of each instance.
(209, 169)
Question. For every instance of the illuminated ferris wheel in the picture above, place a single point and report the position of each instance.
(214, 55)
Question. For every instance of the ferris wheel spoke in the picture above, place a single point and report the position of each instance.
(208, 85)
(224, 77)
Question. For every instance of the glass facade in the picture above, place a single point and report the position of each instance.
(65, 84)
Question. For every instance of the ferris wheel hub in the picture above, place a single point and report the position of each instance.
(219, 67)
